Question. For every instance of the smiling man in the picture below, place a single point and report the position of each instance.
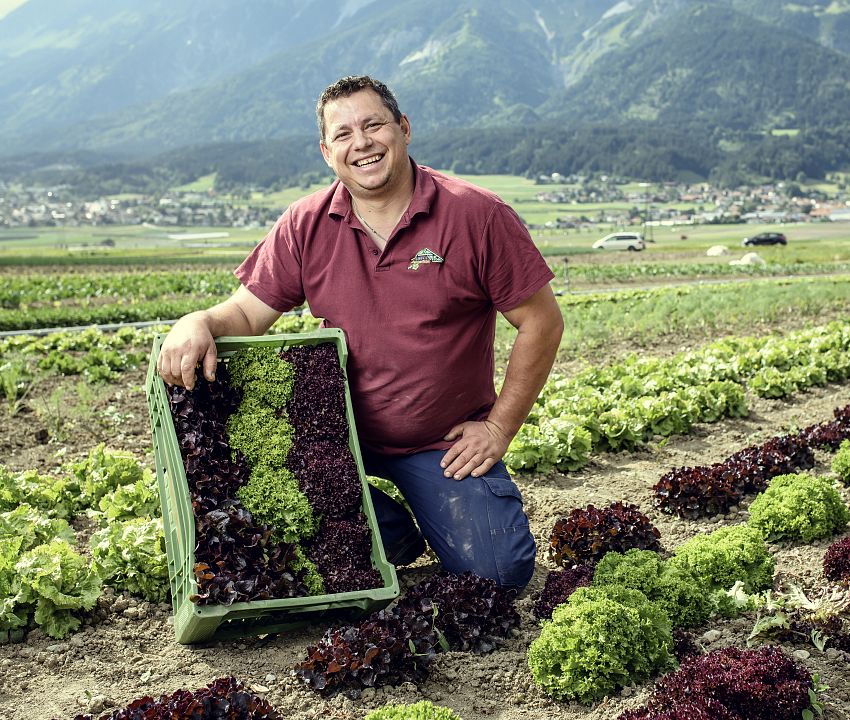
(413, 265)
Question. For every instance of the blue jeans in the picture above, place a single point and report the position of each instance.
(475, 524)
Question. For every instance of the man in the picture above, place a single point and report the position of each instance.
(413, 266)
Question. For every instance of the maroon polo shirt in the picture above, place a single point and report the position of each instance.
(419, 318)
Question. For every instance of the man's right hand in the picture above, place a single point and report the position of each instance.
(188, 343)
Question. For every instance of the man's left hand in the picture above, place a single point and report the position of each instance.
(479, 446)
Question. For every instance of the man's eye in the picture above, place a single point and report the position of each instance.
(374, 125)
(342, 135)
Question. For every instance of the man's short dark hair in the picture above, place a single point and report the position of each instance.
(344, 87)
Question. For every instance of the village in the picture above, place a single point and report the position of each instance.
(58, 207)
(676, 204)
(609, 201)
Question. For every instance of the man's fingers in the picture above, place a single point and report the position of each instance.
(483, 467)
(187, 371)
(210, 359)
(465, 470)
(165, 365)
(450, 456)
(455, 432)
(463, 464)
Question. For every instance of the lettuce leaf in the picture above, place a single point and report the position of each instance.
(130, 555)
(60, 583)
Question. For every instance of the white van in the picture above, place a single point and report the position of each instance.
(621, 241)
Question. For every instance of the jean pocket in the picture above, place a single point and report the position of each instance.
(502, 486)
(514, 549)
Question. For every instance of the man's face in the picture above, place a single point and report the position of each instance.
(364, 145)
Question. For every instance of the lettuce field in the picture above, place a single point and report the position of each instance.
(686, 473)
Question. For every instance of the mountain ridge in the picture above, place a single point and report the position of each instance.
(715, 69)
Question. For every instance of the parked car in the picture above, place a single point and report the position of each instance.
(768, 238)
(621, 241)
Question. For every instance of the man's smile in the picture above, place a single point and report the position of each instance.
(365, 162)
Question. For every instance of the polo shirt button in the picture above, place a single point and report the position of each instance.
(374, 252)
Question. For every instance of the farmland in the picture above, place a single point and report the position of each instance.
(778, 334)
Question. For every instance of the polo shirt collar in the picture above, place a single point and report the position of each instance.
(424, 190)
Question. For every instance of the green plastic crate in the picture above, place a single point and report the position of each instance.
(198, 623)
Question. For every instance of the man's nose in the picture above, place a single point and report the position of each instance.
(362, 138)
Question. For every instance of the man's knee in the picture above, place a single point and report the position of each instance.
(509, 559)
(507, 556)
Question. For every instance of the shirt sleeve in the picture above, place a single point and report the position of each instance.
(512, 268)
(272, 272)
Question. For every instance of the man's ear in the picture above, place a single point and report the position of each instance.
(404, 122)
(326, 153)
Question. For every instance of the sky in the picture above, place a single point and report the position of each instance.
(6, 6)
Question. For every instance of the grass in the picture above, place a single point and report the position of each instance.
(664, 319)
(133, 244)
(202, 184)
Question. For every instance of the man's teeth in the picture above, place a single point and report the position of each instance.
(368, 161)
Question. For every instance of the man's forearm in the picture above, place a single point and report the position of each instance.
(530, 362)
(226, 319)
(240, 314)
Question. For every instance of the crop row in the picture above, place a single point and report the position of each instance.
(97, 314)
(625, 272)
(636, 313)
(95, 355)
(711, 489)
(627, 404)
(23, 290)
(19, 291)
(674, 292)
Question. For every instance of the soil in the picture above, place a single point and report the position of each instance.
(126, 647)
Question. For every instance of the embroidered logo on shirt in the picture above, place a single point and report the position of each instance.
(423, 256)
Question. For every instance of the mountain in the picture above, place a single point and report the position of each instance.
(135, 79)
(61, 62)
(709, 63)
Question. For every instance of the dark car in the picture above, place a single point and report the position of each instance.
(769, 238)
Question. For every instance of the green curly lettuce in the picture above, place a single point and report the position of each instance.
(262, 374)
(600, 640)
(140, 499)
(724, 557)
(299, 564)
(550, 443)
(102, 471)
(12, 614)
(60, 583)
(422, 710)
(10, 495)
(841, 462)
(799, 507)
(256, 430)
(130, 555)
(56, 496)
(685, 600)
(272, 496)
